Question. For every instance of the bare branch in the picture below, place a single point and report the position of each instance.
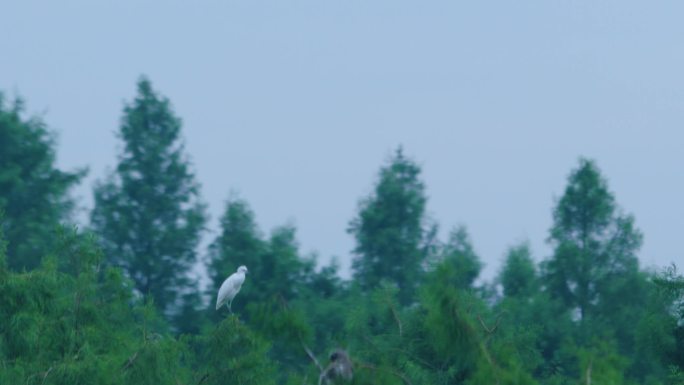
(204, 377)
(396, 316)
(496, 325)
(130, 361)
(46, 374)
(588, 373)
(311, 355)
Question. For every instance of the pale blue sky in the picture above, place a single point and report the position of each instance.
(296, 104)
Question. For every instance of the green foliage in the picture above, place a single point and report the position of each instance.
(239, 243)
(594, 245)
(275, 268)
(390, 229)
(235, 355)
(61, 328)
(82, 325)
(519, 276)
(593, 270)
(33, 192)
(450, 328)
(282, 270)
(670, 285)
(459, 253)
(190, 317)
(411, 315)
(148, 213)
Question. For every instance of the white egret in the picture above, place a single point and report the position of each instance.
(230, 287)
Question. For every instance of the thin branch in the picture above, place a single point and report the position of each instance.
(588, 373)
(46, 374)
(496, 325)
(204, 377)
(311, 355)
(396, 316)
(130, 361)
(483, 346)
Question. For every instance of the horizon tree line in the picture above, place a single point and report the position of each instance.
(587, 312)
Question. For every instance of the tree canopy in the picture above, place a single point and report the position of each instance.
(116, 303)
(390, 229)
(33, 191)
(148, 212)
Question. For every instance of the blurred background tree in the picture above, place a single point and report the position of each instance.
(33, 191)
(390, 229)
(148, 213)
(119, 307)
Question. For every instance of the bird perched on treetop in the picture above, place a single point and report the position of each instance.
(230, 287)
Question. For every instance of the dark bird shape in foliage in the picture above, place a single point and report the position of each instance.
(339, 370)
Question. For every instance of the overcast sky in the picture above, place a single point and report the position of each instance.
(296, 104)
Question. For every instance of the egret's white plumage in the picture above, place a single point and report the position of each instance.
(230, 287)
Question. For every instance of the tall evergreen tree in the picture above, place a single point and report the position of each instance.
(519, 277)
(390, 229)
(460, 254)
(672, 285)
(240, 243)
(274, 263)
(33, 192)
(283, 264)
(148, 213)
(594, 244)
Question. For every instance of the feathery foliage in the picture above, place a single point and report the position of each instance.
(118, 307)
(33, 192)
(148, 213)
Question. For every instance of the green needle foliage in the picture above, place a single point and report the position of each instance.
(33, 192)
(519, 276)
(73, 321)
(594, 244)
(60, 328)
(390, 229)
(459, 253)
(233, 354)
(239, 243)
(118, 307)
(148, 213)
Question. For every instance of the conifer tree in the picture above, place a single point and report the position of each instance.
(239, 243)
(671, 285)
(535, 326)
(519, 276)
(459, 253)
(71, 321)
(273, 263)
(33, 192)
(283, 270)
(390, 229)
(594, 244)
(148, 213)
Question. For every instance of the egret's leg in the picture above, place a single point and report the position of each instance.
(229, 307)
